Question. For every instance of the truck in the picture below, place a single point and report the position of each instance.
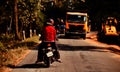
(76, 24)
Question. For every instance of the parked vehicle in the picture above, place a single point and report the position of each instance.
(109, 29)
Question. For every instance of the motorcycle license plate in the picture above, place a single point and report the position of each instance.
(49, 54)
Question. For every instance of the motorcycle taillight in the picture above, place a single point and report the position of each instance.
(49, 45)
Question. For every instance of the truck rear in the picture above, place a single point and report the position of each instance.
(76, 24)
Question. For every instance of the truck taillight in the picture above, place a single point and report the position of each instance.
(85, 27)
(67, 26)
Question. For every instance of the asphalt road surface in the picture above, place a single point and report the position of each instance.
(77, 55)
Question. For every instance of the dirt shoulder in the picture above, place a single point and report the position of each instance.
(15, 61)
(16, 55)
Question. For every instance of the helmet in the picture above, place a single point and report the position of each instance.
(50, 22)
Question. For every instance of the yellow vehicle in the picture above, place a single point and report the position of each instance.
(76, 24)
(109, 29)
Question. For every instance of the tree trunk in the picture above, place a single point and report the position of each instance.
(10, 23)
(17, 34)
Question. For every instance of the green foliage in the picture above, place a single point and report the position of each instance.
(6, 38)
(2, 48)
(29, 16)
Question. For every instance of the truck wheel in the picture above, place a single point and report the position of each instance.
(84, 36)
(66, 35)
(101, 37)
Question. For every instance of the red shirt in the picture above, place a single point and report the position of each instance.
(49, 34)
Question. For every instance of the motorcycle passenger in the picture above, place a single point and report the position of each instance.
(48, 36)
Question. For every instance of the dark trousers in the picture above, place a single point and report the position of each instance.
(44, 45)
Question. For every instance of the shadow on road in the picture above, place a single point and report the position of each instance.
(88, 48)
(69, 37)
(108, 40)
(29, 66)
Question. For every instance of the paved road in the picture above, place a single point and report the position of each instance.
(77, 55)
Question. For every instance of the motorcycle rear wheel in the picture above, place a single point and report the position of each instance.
(47, 61)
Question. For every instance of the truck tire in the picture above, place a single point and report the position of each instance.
(84, 36)
(66, 35)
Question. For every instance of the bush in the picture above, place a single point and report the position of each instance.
(2, 48)
(7, 38)
(11, 51)
(3, 52)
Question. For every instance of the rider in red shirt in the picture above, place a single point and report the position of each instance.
(48, 36)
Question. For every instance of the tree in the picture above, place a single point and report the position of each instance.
(17, 34)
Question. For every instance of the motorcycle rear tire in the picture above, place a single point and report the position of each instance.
(47, 61)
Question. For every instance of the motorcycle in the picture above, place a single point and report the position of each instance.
(48, 55)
